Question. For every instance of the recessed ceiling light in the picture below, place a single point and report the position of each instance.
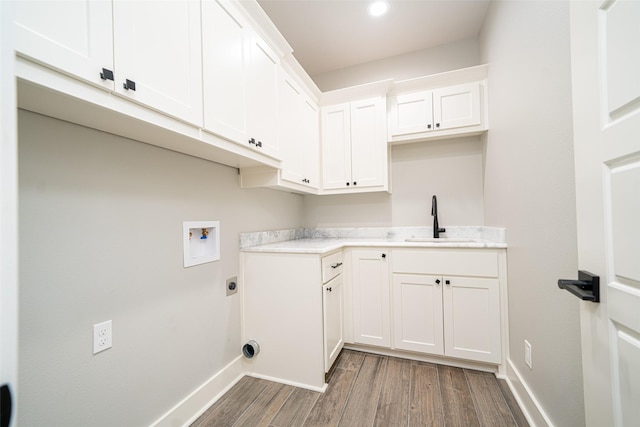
(378, 8)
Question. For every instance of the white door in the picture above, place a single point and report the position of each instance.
(224, 44)
(370, 281)
(368, 143)
(456, 106)
(290, 132)
(606, 107)
(332, 309)
(417, 313)
(336, 146)
(9, 211)
(157, 45)
(310, 151)
(262, 96)
(410, 113)
(75, 37)
(471, 307)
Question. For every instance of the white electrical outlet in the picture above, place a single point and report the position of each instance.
(102, 338)
(527, 354)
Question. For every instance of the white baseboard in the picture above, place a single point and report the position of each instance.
(197, 402)
(287, 382)
(533, 411)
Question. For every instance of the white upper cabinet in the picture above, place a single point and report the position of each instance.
(158, 55)
(457, 106)
(74, 37)
(354, 148)
(147, 51)
(225, 40)
(262, 96)
(298, 133)
(336, 146)
(423, 112)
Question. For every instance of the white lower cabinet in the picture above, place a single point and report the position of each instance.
(332, 308)
(472, 318)
(292, 306)
(371, 304)
(447, 303)
(417, 313)
(442, 302)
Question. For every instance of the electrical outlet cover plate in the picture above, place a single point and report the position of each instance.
(102, 338)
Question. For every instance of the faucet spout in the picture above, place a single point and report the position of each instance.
(434, 213)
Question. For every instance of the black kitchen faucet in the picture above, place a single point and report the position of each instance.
(434, 213)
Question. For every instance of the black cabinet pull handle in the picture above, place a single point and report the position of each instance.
(129, 85)
(336, 265)
(106, 74)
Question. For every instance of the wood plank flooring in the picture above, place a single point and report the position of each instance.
(372, 390)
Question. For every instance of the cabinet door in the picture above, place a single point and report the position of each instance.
(410, 113)
(457, 106)
(371, 302)
(472, 318)
(262, 96)
(310, 153)
(336, 146)
(157, 46)
(417, 313)
(291, 128)
(368, 143)
(332, 303)
(224, 44)
(75, 37)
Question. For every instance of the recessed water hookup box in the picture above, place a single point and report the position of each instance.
(201, 242)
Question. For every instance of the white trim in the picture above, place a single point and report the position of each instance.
(287, 382)
(198, 401)
(531, 408)
(439, 360)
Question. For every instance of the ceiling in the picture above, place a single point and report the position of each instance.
(328, 35)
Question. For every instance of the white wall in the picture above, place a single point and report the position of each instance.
(450, 169)
(461, 54)
(101, 238)
(529, 189)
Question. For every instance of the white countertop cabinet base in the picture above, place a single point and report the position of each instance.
(296, 320)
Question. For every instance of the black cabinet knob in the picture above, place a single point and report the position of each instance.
(129, 85)
(384, 255)
(437, 281)
(447, 282)
(329, 289)
(259, 144)
(348, 184)
(355, 183)
(252, 141)
(437, 125)
(106, 74)
(428, 126)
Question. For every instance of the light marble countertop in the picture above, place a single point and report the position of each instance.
(321, 241)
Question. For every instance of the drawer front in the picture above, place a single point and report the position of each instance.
(460, 263)
(331, 266)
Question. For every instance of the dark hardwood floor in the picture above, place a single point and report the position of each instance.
(372, 390)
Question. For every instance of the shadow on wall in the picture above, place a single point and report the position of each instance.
(452, 169)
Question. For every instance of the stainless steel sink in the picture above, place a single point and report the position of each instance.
(441, 240)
